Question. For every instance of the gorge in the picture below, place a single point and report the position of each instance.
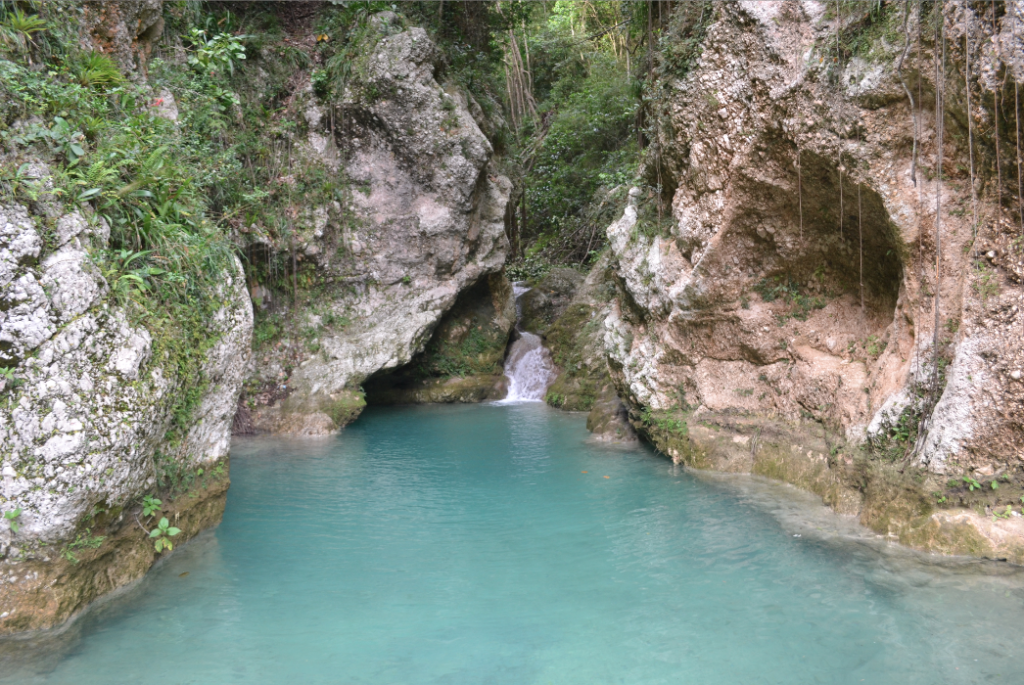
(779, 240)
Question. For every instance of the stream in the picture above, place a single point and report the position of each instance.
(495, 543)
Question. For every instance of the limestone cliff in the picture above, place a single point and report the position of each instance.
(123, 362)
(421, 220)
(84, 415)
(783, 319)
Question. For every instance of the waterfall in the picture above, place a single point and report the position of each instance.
(529, 368)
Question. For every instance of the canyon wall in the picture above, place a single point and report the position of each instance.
(112, 398)
(818, 303)
(421, 220)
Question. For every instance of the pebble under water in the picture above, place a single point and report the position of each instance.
(494, 544)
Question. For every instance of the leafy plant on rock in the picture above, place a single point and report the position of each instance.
(162, 535)
(218, 51)
(19, 29)
(150, 504)
(82, 541)
(96, 70)
(12, 517)
(971, 484)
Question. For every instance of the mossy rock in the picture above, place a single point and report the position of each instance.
(548, 299)
(576, 345)
(345, 407)
(441, 391)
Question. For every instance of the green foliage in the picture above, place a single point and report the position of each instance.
(681, 45)
(530, 269)
(321, 82)
(870, 30)
(1005, 514)
(217, 51)
(465, 358)
(150, 504)
(96, 70)
(787, 291)
(664, 422)
(162, 535)
(17, 29)
(12, 517)
(267, 328)
(59, 139)
(126, 275)
(590, 140)
(873, 346)
(985, 282)
(898, 439)
(82, 541)
(971, 483)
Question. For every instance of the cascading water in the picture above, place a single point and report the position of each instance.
(529, 368)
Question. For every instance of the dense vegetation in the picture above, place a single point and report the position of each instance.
(77, 134)
(570, 87)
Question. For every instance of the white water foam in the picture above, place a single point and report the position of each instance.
(529, 369)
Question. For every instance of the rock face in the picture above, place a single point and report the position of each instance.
(84, 412)
(548, 298)
(127, 29)
(463, 360)
(423, 220)
(576, 341)
(794, 294)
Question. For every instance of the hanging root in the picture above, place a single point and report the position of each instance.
(970, 133)
(860, 235)
(906, 89)
(940, 104)
(800, 191)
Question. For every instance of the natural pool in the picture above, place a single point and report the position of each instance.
(493, 544)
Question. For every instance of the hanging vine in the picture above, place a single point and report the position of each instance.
(517, 83)
(910, 96)
(800, 190)
(970, 134)
(940, 88)
(860, 235)
(995, 106)
(1016, 128)
(839, 162)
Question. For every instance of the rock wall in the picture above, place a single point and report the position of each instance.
(785, 322)
(463, 362)
(84, 414)
(423, 221)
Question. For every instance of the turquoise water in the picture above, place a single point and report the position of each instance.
(465, 545)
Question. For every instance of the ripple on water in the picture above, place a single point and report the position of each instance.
(494, 544)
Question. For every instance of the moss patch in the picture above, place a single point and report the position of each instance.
(583, 374)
